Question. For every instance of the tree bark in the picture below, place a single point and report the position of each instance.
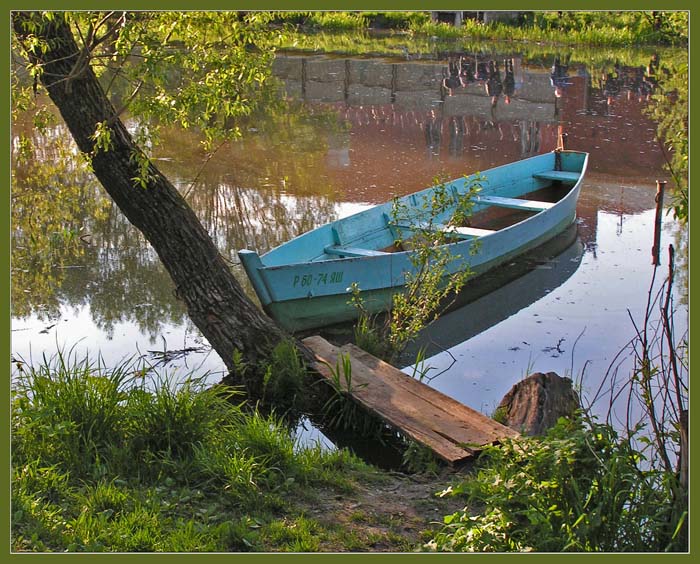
(215, 300)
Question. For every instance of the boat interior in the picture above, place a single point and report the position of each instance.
(508, 194)
(491, 214)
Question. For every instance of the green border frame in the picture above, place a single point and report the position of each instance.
(374, 5)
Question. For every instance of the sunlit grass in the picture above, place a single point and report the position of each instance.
(608, 29)
(107, 460)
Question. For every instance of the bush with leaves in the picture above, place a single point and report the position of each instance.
(582, 487)
(436, 275)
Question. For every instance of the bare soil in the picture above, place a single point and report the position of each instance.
(392, 513)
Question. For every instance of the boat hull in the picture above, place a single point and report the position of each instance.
(302, 285)
(313, 312)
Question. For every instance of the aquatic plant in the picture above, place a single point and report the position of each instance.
(430, 287)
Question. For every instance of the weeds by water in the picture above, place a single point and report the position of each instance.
(578, 489)
(103, 460)
(283, 381)
(433, 282)
(610, 29)
(341, 411)
(592, 486)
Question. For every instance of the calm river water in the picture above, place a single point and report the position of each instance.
(351, 133)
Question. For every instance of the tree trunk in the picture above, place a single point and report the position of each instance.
(215, 301)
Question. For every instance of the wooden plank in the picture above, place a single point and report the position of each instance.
(486, 428)
(514, 203)
(461, 232)
(351, 251)
(453, 431)
(561, 175)
(370, 391)
(468, 231)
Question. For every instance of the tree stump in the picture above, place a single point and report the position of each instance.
(534, 404)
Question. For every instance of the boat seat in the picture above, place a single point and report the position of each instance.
(560, 175)
(467, 231)
(461, 232)
(514, 203)
(351, 251)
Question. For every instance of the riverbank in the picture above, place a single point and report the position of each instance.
(107, 460)
(611, 29)
(111, 460)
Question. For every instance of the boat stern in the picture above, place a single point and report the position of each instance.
(253, 265)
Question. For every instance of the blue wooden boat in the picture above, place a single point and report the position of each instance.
(304, 283)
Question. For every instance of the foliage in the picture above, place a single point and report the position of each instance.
(580, 488)
(368, 333)
(348, 21)
(431, 284)
(284, 377)
(432, 280)
(443, 31)
(669, 110)
(656, 393)
(395, 19)
(570, 27)
(417, 458)
(66, 231)
(340, 411)
(336, 20)
(105, 460)
(586, 486)
(196, 69)
(50, 202)
(612, 28)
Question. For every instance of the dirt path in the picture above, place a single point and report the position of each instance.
(395, 513)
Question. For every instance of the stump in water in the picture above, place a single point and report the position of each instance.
(534, 404)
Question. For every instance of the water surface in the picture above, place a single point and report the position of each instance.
(350, 133)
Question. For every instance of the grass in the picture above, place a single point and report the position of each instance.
(105, 460)
(609, 29)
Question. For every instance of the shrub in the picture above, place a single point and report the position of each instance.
(580, 488)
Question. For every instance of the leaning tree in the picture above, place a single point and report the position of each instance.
(200, 69)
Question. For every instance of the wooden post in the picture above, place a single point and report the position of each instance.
(656, 249)
(561, 139)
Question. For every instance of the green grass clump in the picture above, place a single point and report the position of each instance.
(283, 382)
(396, 20)
(107, 460)
(620, 28)
(326, 20)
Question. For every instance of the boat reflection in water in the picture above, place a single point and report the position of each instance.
(501, 293)
(491, 297)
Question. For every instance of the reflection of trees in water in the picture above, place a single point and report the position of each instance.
(262, 190)
(681, 246)
(72, 246)
(51, 195)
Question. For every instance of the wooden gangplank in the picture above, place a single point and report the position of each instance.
(453, 431)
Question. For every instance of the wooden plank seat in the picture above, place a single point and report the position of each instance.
(465, 232)
(460, 232)
(351, 251)
(561, 175)
(514, 203)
